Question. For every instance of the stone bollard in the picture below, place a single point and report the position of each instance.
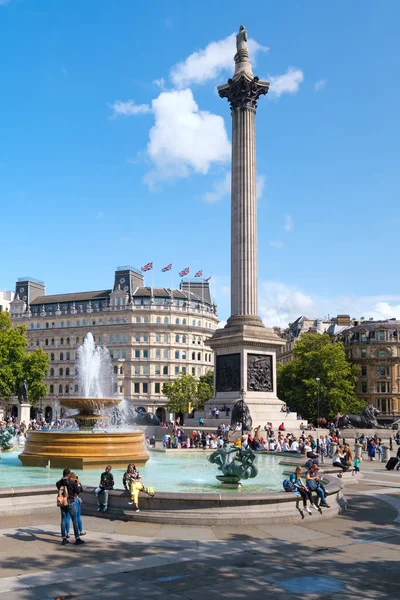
(386, 453)
(332, 448)
(357, 450)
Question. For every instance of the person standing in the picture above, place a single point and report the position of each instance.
(106, 484)
(68, 491)
(78, 502)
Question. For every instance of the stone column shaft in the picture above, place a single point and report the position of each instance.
(244, 289)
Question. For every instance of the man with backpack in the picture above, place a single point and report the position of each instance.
(68, 491)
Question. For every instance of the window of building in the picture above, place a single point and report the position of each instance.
(158, 320)
(382, 371)
(78, 323)
(184, 322)
(76, 340)
(166, 354)
(184, 339)
(115, 388)
(145, 354)
(61, 341)
(123, 337)
(61, 355)
(199, 356)
(176, 370)
(166, 320)
(61, 372)
(382, 387)
(193, 355)
(157, 388)
(177, 321)
(382, 353)
(198, 371)
(158, 337)
(146, 337)
(46, 342)
(193, 322)
(137, 353)
(60, 389)
(84, 322)
(137, 319)
(123, 353)
(157, 369)
(52, 389)
(198, 323)
(67, 372)
(76, 388)
(209, 358)
(145, 369)
(146, 320)
(68, 324)
(166, 339)
(381, 336)
(363, 338)
(52, 356)
(363, 353)
(47, 326)
(51, 372)
(137, 370)
(32, 326)
(145, 388)
(158, 353)
(177, 354)
(177, 339)
(193, 371)
(136, 388)
(67, 356)
(183, 370)
(137, 337)
(165, 370)
(183, 355)
(68, 340)
(115, 370)
(118, 337)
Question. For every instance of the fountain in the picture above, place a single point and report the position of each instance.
(87, 448)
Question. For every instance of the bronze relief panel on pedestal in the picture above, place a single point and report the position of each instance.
(259, 373)
(227, 374)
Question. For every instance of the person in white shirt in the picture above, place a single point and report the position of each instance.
(294, 446)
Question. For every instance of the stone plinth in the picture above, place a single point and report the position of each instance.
(83, 450)
(24, 413)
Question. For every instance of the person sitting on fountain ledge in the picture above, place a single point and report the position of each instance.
(106, 484)
(132, 482)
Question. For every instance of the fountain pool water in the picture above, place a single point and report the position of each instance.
(167, 472)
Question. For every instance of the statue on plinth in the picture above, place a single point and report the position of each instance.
(23, 393)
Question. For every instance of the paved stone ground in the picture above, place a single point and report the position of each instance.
(350, 556)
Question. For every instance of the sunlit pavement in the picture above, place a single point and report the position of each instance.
(355, 554)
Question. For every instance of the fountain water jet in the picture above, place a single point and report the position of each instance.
(85, 449)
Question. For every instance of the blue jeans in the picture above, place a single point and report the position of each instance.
(69, 511)
(321, 493)
(100, 490)
(78, 517)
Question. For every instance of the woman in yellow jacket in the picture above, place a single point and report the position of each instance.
(132, 482)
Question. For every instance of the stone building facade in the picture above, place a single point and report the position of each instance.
(294, 331)
(375, 347)
(152, 334)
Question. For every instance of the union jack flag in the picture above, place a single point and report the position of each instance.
(199, 274)
(208, 278)
(167, 268)
(147, 267)
(184, 272)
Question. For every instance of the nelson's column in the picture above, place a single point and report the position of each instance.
(245, 350)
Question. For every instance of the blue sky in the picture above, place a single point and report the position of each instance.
(114, 147)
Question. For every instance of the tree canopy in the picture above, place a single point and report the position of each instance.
(316, 356)
(16, 364)
(186, 392)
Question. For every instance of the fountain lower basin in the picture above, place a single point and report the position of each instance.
(83, 449)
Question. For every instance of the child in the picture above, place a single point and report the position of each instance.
(356, 465)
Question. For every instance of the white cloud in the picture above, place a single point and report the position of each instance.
(222, 188)
(184, 139)
(160, 83)
(319, 85)
(288, 83)
(129, 108)
(288, 223)
(210, 62)
(278, 245)
(280, 304)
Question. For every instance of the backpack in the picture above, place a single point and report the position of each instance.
(62, 497)
(288, 485)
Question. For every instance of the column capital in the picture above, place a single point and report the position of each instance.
(243, 92)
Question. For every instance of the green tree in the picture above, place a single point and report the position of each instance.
(180, 393)
(317, 356)
(205, 390)
(16, 364)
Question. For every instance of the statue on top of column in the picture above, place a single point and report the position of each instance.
(241, 45)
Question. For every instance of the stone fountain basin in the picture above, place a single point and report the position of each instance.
(88, 403)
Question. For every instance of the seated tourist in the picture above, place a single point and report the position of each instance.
(301, 488)
(294, 447)
(132, 482)
(281, 427)
(315, 485)
(339, 460)
(106, 484)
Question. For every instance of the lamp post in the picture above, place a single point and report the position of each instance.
(242, 399)
(317, 379)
